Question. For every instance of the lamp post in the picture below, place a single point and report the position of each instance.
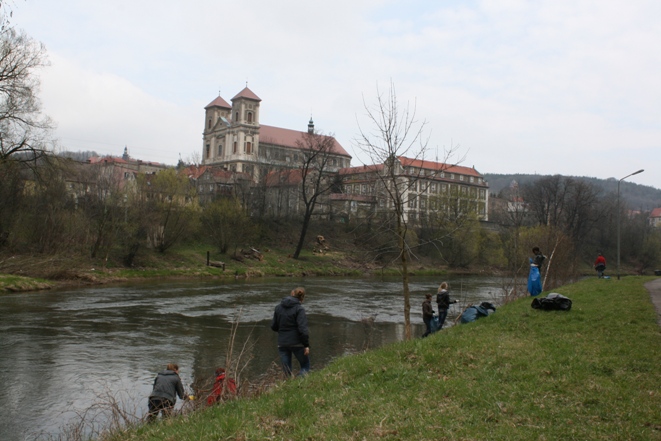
(618, 219)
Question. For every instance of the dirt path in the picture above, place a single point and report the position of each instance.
(654, 287)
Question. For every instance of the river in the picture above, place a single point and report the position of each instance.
(65, 352)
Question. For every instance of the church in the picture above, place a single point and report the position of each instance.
(234, 140)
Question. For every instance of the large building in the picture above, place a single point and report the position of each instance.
(425, 187)
(234, 140)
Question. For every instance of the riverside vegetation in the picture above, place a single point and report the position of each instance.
(521, 374)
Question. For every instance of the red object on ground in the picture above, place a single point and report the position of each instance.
(217, 391)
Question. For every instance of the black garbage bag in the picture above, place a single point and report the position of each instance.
(552, 302)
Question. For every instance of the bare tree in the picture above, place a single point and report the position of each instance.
(395, 132)
(23, 129)
(317, 150)
(172, 207)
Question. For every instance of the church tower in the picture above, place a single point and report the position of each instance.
(244, 137)
(216, 126)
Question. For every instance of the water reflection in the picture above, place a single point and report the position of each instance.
(63, 351)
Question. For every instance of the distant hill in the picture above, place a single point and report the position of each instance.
(638, 197)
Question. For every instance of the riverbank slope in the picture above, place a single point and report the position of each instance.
(590, 373)
(37, 272)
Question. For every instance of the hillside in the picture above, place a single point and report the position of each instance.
(521, 374)
(638, 197)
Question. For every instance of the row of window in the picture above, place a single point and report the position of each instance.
(426, 172)
(433, 188)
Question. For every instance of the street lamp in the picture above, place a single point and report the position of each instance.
(618, 219)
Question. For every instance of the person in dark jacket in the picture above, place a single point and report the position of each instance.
(443, 302)
(427, 314)
(291, 324)
(537, 259)
(167, 386)
(535, 285)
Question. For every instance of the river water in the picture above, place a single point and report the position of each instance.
(68, 353)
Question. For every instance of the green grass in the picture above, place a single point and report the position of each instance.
(592, 373)
(18, 283)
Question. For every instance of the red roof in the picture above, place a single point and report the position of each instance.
(361, 169)
(656, 212)
(289, 138)
(247, 93)
(194, 171)
(219, 102)
(106, 160)
(439, 166)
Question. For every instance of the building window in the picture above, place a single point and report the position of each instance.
(463, 190)
(451, 175)
(444, 188)
(442, 174)
(234, 147)
(249, 117)
(220, 150)
(248, 147)
(432, 187)
(364, 189)
(471, 179)
(236, 117)
(461, 177)
(347, 189)
(209, 123)
(208, 151)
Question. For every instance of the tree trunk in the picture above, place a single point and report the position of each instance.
(304, 230)
(401, 232)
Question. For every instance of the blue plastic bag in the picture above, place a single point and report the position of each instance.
(435, 324)
(534, 281)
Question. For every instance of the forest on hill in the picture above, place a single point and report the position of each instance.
(636, 196)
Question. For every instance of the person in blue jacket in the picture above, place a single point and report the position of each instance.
(291, 324)
(167, 386)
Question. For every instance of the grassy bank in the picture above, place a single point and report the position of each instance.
(42, 272)
(521, 374)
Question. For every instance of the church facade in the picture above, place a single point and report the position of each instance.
(234, 140)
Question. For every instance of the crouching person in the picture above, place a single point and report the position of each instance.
(167, 386)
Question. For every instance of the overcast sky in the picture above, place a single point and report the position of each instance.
(568, 87)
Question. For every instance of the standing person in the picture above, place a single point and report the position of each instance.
(167, 386)
(600, 265)
(291, 324)
(427, 314)
(537, 258)
(535, 276)
(443, 301)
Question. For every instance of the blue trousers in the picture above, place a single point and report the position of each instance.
(286, 353)
(442, 315)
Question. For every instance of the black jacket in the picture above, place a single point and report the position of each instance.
(538, 260)
(166, 385)
(291, 323)
(443, 300)
(427, 311)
